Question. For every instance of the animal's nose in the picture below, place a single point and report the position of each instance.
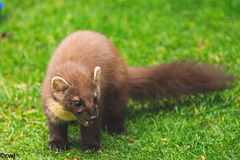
(94, 118)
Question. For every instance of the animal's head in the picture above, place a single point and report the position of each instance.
(78, 95)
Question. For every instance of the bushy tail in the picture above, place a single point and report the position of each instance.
(175, 79)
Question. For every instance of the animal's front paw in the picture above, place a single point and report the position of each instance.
(86, 147)
(58, 146)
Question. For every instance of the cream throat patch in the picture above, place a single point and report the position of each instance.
(58, 111)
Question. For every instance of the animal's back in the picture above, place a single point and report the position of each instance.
(86, 48)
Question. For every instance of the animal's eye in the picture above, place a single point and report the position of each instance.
(78, 104)
(95, 100)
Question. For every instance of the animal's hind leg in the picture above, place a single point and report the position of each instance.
(115, 114)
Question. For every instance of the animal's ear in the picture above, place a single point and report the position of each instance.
(59, 84)
(96, 79)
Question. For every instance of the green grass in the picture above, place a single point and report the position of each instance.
(146, 33)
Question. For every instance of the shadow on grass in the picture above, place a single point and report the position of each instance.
(74, 143)
(153, 108)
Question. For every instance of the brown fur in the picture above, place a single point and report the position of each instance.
(70, 80)
(175, 79)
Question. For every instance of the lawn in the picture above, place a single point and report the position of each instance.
(146, 33)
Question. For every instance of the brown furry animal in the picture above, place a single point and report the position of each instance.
(87, 81)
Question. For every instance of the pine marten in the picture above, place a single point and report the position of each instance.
(88, 81)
